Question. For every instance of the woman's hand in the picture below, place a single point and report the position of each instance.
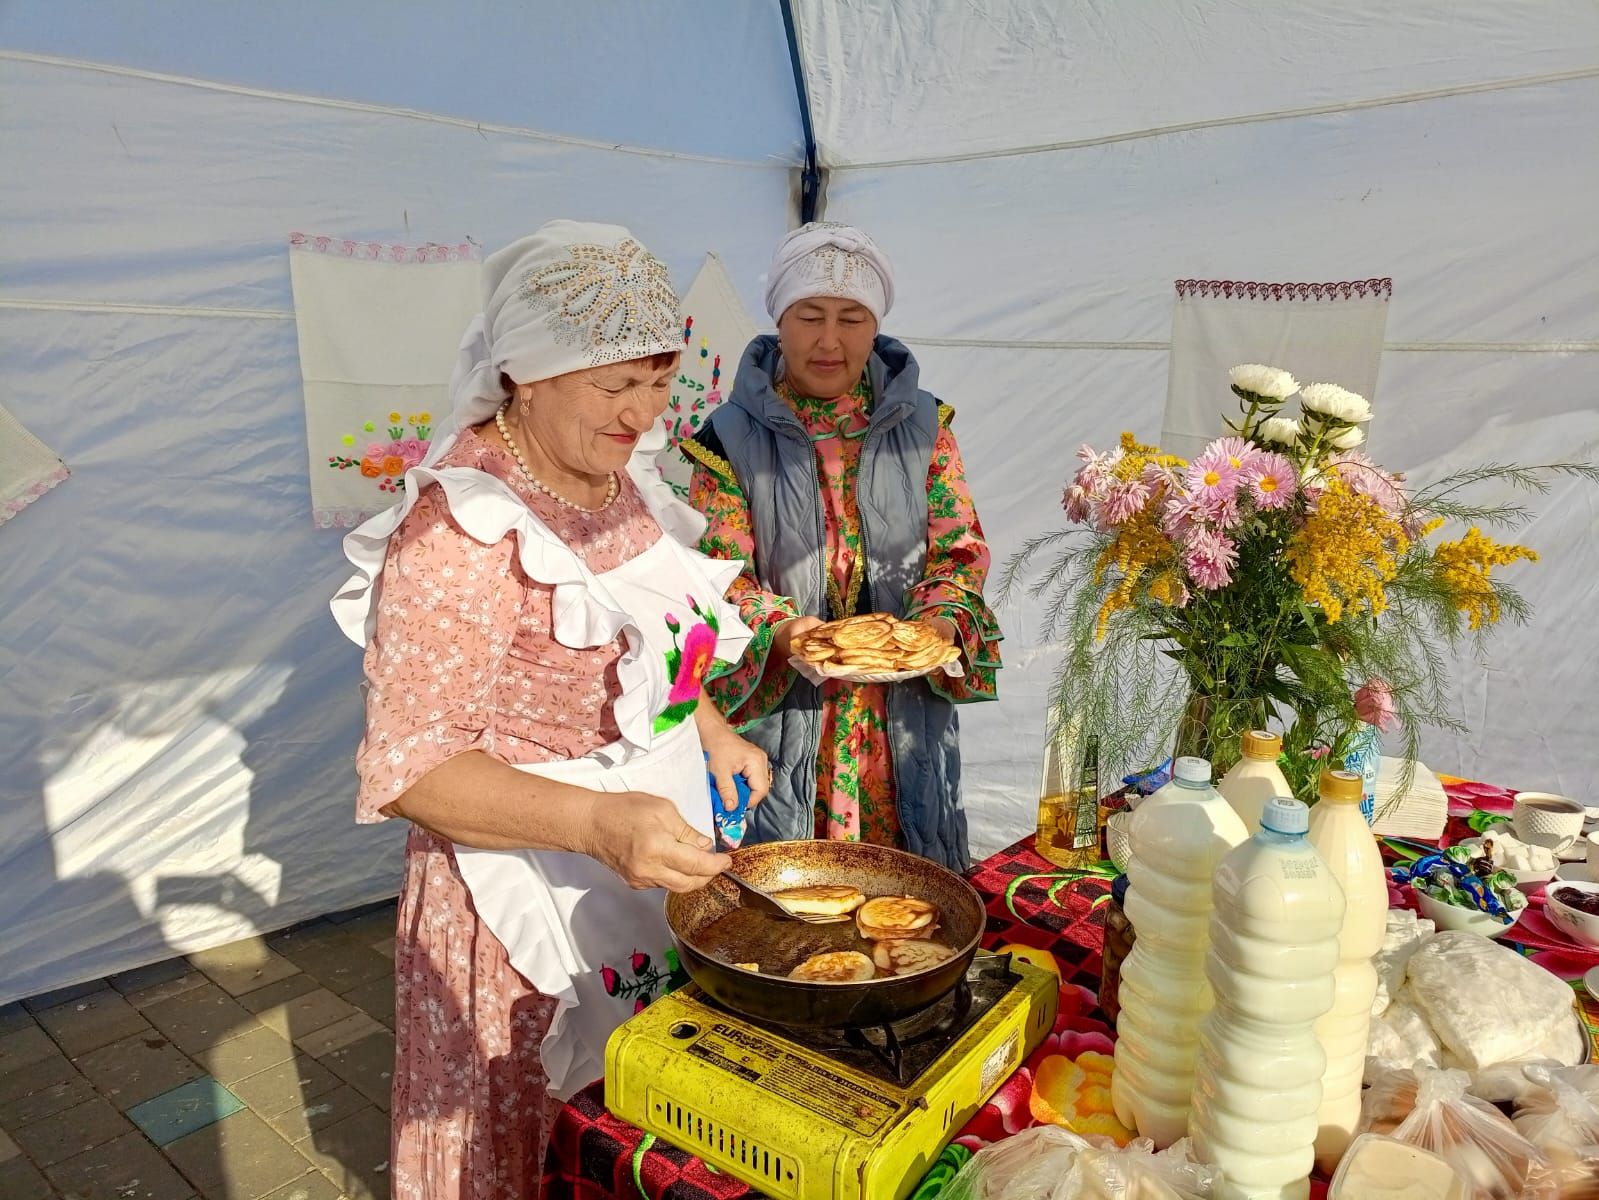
(727, 755)
(784, 635)
(644, 840)
(731, 755)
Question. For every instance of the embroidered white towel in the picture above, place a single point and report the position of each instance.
(378, 327)
(1321, 332)
(28, 468)
(716, 329)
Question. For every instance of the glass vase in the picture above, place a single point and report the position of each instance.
(1212, 727)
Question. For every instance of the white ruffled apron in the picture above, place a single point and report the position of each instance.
(571, 927)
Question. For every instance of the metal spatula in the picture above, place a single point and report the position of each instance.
(755, 898)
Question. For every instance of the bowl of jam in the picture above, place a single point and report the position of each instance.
(1573, 908)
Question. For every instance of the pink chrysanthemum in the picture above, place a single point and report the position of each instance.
(1159, 478)
(1211, 475)
(1124, 501)
(1240, 455)
(1096, 473)
(1182, 517)
(1368, 479)
(1078, 503)
(1209, 559)
(1221, 510)
(1272, 481)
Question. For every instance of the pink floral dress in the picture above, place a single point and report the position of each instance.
(463, 658)
(855, 766)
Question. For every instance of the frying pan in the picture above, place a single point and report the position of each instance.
(779, 945)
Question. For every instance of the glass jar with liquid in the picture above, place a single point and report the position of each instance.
(1068, 800)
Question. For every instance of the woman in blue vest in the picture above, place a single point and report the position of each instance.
(836, 479)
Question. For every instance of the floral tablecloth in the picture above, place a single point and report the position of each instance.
(593, 1156)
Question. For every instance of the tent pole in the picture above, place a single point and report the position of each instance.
(810, 174)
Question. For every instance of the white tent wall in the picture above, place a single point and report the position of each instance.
(891, 81)
(1479, 207)
(179, 712)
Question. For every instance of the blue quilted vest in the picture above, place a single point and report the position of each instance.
(775, 463)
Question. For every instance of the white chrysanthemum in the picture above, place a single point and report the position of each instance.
(1283, 431)
(1260, 380)
(1347, 439)
(1333, 401)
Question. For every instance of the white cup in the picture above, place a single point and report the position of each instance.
(1593, 854)
(1547, 820)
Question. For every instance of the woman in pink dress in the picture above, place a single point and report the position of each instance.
(536, 634)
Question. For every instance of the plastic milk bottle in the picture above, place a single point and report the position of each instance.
(1341, 836)
(1255, 778)
(1178, 836)
(1273, 950)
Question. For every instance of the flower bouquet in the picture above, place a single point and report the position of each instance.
(1293, 581)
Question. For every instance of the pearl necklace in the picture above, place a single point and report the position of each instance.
(516, 453)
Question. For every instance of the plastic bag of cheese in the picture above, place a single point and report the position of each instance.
(1050, 1163)
(1432, 1110)
(1486, 1003)
(1559, 1113)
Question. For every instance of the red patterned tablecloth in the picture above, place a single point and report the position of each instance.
(593, 1156)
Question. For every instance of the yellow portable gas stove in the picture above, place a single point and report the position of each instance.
(821, 1114)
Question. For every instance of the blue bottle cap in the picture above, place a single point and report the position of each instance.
(1282, 815)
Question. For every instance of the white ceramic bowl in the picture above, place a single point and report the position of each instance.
(1576, 924)
(1469, 920)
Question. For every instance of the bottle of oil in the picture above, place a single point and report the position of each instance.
(1069, 816)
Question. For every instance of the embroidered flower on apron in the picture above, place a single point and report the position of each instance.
(686, 664)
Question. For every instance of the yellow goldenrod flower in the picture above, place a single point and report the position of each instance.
(1347, 551)
(1138, 546)
(1465, 566)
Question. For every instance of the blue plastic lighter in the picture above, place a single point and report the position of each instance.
(729, 824)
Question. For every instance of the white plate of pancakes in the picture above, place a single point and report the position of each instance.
(873, 648)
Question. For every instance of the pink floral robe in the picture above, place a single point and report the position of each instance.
(463, 659)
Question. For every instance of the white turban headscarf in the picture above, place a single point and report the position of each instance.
(569, 297)
(825, 259)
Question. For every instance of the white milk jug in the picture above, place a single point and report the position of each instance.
(1340, 834)
(1273, 949)
(1255, 778)
(1177, 837)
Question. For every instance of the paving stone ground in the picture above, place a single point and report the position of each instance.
(254, 1071)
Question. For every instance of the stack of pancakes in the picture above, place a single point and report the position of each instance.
(875, 642)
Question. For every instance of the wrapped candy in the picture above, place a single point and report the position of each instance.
(1458, 877)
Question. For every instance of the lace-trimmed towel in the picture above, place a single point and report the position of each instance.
(28, 468)
(1322, 332)
(378, 327)
(716, 329)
